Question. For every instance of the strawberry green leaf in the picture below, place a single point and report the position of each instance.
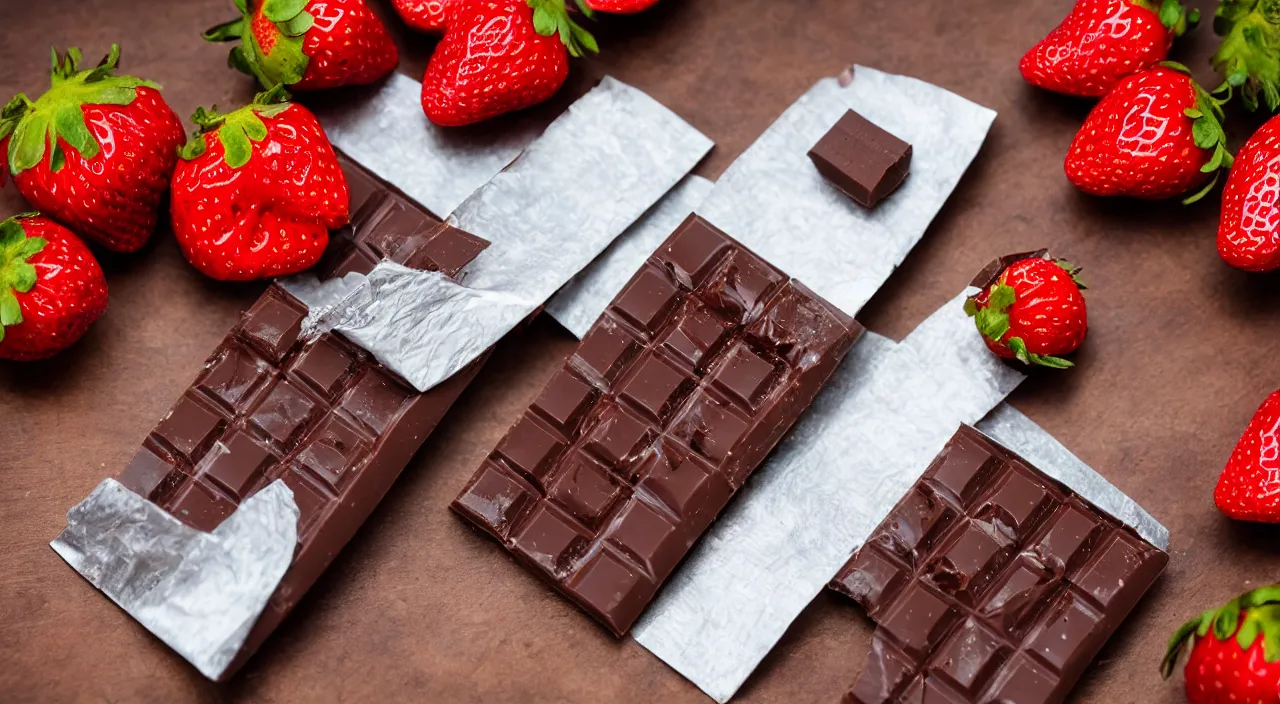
(282, 10)
(1224, 626)
(1200, 194)
(970, 307)
(193, 148)
(17, 275)
(1002, 297)
(58, 159)
(1204, 134)
(585, 9)
(225, 32)
(12, 114)
(1192, 113)
(28, 145)
(69, 122)
(556, 20)
(1176, 18)
(237, 60)
(1249, 56)
(543, 22)
(242, 6)
(1179, 641)
(298, 25)
(992, 324)
(1025, 356)
(236, 145)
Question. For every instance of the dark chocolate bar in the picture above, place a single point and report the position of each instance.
(991, 582)
(865, 162)
(335, 425)
(676, 394)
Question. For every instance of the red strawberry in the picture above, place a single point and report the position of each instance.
(309, 44)
(256, 193)
(1102, 41)
(1249, 229)
(1157, 135)
(621, 7)
(1249, 56)
(51, 288)
(1249, 487)
(422, 15)
(1034, 312)
(1234, 651)
(115, 149)
(499, 56)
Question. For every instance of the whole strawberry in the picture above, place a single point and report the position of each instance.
(498, 56)
(1249, 226)
(1156, 135)
(95, 152)
(1249, 486)
(257, 191)
(1234, 651)
(621, 7)
(1249, 56)
(51, 288)
(423, 15)
(1033, 312)
(308, 44)
(1102, 41)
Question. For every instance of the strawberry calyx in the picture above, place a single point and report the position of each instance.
(284, 62)
(57, 117)
(551, 17)
(1249, 56)
(236, 130)
(17, 275)
(1248, 616)
(1206, 129)
(1173, 15)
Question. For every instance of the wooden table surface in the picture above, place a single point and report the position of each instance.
(1181, 351)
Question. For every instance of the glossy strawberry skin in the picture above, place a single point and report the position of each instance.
(1249, 226)
(70, 293)
(1098, 44)
(621, 7)
(423, 15)
(1220, 672)
(1049, 313)
(270, 217)
(1138, 140)
(1249, 487)
(491, 61)
(114, 198)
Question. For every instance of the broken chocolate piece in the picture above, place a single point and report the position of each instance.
(862, 160)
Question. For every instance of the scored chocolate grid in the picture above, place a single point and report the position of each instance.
(268, 406)
(991, 582)
(671, 400)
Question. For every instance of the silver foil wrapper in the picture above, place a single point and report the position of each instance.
(582, 300)
(437, 167)
(773, 200)
(887, 411)
(545, 225)
(198, 592)
(1009, 427)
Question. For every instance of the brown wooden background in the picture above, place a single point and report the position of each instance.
(1181, 351)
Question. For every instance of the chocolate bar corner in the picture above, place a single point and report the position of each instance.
(674, 397)
(990, 581)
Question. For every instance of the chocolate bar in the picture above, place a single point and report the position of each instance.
(991, 582)
(865, 162)
(676, 394)
(323, 416)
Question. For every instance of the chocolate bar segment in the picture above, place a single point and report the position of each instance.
(991, 582)
(862, 160)
(673, 398)
(323, 416)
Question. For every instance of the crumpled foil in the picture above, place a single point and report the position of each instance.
(437, 167)
(582, 300)
(1009, 427)
(588, 178)
(773, 200)
(198, 592)
(884, 415)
